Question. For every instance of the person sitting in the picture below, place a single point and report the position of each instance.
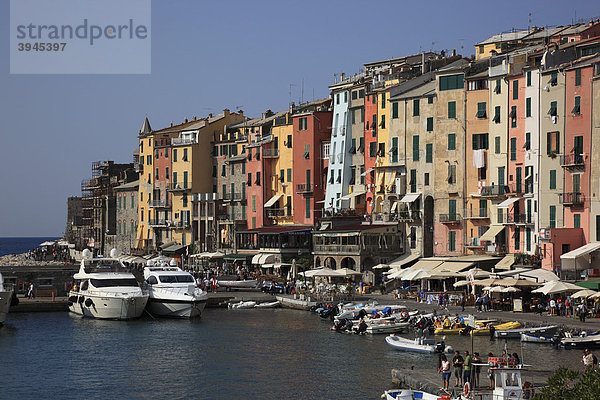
(446, 324)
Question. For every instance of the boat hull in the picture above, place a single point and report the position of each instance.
(107, 307)
(403, 344)
(516, 333)
(531, 338)
(176, 308)
(387, 328)
(581, 342)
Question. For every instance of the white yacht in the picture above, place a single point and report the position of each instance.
(173, 292)
(6, 292)
(104, 289)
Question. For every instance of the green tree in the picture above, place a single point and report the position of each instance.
(567, 384)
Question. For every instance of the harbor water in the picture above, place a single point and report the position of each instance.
(228, 354)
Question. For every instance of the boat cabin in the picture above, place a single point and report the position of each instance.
(507, 383)
(100, 265)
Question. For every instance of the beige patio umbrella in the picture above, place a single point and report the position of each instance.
(510, 289)
(478, 273)
(557, 287)
(595, 296)
(417, 275)
(461, 283)
(518, 282)
(381, 266)
(585, 293)
(487, 282)
(348, 271)
(495, 289)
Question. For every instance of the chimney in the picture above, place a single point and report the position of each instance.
(171, 123)
(422, 63)
(185, 120)
(453, 52)
(343, 76)
(226, 111)
(194, 117)
(209, 115)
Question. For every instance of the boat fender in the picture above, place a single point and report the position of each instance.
(404, 314)
(20, 284)
(81, 300)
(467, 389)
(528, 390)
(88, 302)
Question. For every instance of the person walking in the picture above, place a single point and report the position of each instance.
(445, 371)
(582, 311)
(552, 307)
(30, 291)
(457, 362)
(463, 301)
(587, 360)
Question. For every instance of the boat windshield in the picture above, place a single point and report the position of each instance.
(103, 283)
(94, 266)
(176, 279)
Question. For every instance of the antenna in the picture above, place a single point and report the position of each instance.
(462, 46)
(529, 22)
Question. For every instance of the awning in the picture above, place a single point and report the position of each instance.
(409, 198)
(403, 260)
(581, 251)
(273, 200)
(352, 195)
(394, 206)
(453, 266)
(238, 256)
(491, 233)
(367, 171)
(427, 264)
(590, 283)
(266, 258)
(391, 178)
(578, 259)
(508, 202)
(380, 178)
(506, 262)
(256, 258)
(176, 248)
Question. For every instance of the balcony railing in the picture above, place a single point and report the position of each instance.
(138, 167)
(337, 248)
(276, 212)
(408, 215)
(474, 242)
(223, 216)
(183, 141)
(493, 191)
(450, 218)
(476, 213)
(572, 198)
(160, 203)
(304, 188)
(176, 186)
(270, 153)
(157, 223)
(232, 196)
(179, 224)
(571, 160)
(523, 219)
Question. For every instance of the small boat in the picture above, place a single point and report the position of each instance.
(426, 345)
(533, 338)
(387, 327)
(581, 341)
(516, 333)
(173, 292)
(448, 331)
(105, 289)
(243, 305)
(241, 284)
(408, 394)
(6, 294)
(490, 329)
(271, 304)
(388, 309)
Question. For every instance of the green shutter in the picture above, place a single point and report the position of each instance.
(253, 203)
(452, 141)
(416, 109)
(597, 228)
(451, 109)
(576, 220)
(394, 149)
(515, 90)
(395, 109)
(552, 216)
(452, 209)
(289, 175)
(416, 148)
(501, 176)
(513, 149)
(452, 241)
(552, 179)
(481, 110)
(528, 107)
(578, 77)
(429, 152)
(528, 78)
(429, 124)
(497, 144)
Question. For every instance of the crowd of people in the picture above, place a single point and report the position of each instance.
(49, 254)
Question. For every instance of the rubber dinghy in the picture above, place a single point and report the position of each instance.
(271, 304)
(242, 305)
(427, 346)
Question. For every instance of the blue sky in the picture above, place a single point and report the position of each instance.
(207, 56)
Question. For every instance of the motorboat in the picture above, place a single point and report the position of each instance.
(408, 394)
(173, 292)
(536, 338)
(582, 341)
(490, 329)
(243, 305)
(516, 333)
(270, 304)
(387, 327)
(358, 312)
(422, 346)
(6, 294)
(241, 284)
(105, 289)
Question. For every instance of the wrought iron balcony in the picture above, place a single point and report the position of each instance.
(179, 186)
(304, 188)
(276, 212)
(183, 141)
(523, 219)
(493, 191)
(408, 215)
(450, 218)
(476, 213)
(571, 160)
(157, 223)
(160, 203)
(270, 153)
(232, 196)
(572, 198)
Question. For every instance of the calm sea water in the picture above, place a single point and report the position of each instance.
(15, 245)
(229, 354)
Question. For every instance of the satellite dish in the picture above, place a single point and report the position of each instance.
(114, 253)
(87, 254)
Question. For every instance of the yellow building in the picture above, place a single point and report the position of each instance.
(192, 163)
(146, 150)
(281, 152)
